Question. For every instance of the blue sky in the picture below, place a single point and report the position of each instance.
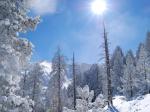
(71, 25)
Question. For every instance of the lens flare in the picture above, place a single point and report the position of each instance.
(98, 7)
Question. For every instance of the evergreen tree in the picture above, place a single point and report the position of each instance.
(129, 78)
(54, 91)
(24, 87)
(117, 65)
(147, 47)
(147, 43)
(36, 87)
(14, 53)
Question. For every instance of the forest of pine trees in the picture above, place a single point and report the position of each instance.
(68, 87)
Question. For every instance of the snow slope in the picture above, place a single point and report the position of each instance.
(141, 104)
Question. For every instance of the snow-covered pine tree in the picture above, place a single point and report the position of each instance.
(117, 65)
(34, 83)
(147, 46)
(147, 43)
(54, 91)
(24, 87)
(129, 77)
(142, 69)
(14, 53)
(36, 87)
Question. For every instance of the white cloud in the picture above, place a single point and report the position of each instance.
(42, 7)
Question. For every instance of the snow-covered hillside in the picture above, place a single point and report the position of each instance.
(141, 104)
(47, 66)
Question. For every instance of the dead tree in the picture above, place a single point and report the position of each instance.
(107, 61)
(59, 82)
(74, 82)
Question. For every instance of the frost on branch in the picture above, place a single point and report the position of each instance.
(84, 101)
(14, 53)
(16, 104)
(13, 17)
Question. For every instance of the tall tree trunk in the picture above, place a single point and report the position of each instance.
(131, 88)
(99, 83)
(24, 83)
(107, 60)
(74, 83)
(59, 84)
(145, 76)
(97, 77)
(33, 91)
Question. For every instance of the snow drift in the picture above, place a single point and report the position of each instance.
(140, 104)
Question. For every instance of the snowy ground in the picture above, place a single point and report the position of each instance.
(141, 104)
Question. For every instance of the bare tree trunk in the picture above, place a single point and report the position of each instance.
(107, 60)
(24, 83)
(99, 83)
(34, 87)
(145, 76)
(33, 91)
(131, 88)
(59, 84)
(74, 83)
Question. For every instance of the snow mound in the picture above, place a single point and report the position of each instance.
(141, 104)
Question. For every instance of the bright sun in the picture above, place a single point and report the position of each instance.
(98, 7)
